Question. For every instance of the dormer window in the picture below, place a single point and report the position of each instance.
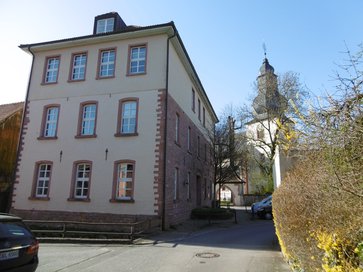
(105, 25)
(108, 22)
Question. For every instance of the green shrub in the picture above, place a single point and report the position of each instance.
(212, 213)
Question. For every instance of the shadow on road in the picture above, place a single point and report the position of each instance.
(256, 234)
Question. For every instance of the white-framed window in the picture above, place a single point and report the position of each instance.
(199, 109)
(79, 66)
(203, 116)
(128, 119)
(107, 63)
(193, 100)
(124, 181)
(88, 119)
(177, 125)
(43, 180)
(137, 60)
(51, 122)
(176, 183)
(189, 139)
(188, 185)
(105, 25)
(52, 68)
(82, 181)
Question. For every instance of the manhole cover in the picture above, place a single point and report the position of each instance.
(207, 255)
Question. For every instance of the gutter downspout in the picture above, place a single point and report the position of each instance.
(163, 221)
(10, 201)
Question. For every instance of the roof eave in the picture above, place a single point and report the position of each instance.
(99, 38)
(167, 28)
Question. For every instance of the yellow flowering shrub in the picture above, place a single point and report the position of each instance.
(319, 227)
(339, 254)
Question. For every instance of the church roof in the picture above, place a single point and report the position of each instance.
(269, 100)
(266, 67)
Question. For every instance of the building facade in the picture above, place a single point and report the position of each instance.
(117, 127)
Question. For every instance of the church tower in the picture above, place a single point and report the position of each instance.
(268, 107)
(269, 102)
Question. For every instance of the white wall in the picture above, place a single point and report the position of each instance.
(107, 92)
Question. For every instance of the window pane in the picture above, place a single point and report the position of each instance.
(124, 181)
(128, 119)
(79, 64)
(52, 70)
(43, 180)
(88, 119)
(50, 125)
(82, 180)
(107, 63)
(137, 59)
(105, 25)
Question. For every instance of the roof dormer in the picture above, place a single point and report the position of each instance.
(109, 22)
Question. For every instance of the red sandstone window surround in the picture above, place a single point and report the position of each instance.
(123, 181)
(51, 70)
(81, 181)
(127, 119)
(41, 180)
(193, 100)
(177, 128)
(176, 184)
(106, 63)
(199, 110)
(49, 125)
(203, 116)
(87, 120)
(188, 186)
(77, 71)
(137, 60)
(189, 139)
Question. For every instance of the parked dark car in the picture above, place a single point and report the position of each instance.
(263, 208)
(18, 246)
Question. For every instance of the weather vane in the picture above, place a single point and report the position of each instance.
(264, 48)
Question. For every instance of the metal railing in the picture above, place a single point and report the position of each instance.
(65, 229)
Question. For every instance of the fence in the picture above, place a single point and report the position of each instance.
(73, 229)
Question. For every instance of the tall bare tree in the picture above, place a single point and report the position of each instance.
(229, 153)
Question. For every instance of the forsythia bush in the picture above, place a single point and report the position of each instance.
(318, 209)
(319, 227)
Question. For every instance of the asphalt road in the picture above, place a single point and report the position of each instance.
(250, 246)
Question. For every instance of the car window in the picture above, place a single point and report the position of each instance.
(13, 229)
(267, 199)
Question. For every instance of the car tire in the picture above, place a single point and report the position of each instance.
(268, 216)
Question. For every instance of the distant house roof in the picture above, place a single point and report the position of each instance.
(8, 110)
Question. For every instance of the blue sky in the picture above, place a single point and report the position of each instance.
(223, 38)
